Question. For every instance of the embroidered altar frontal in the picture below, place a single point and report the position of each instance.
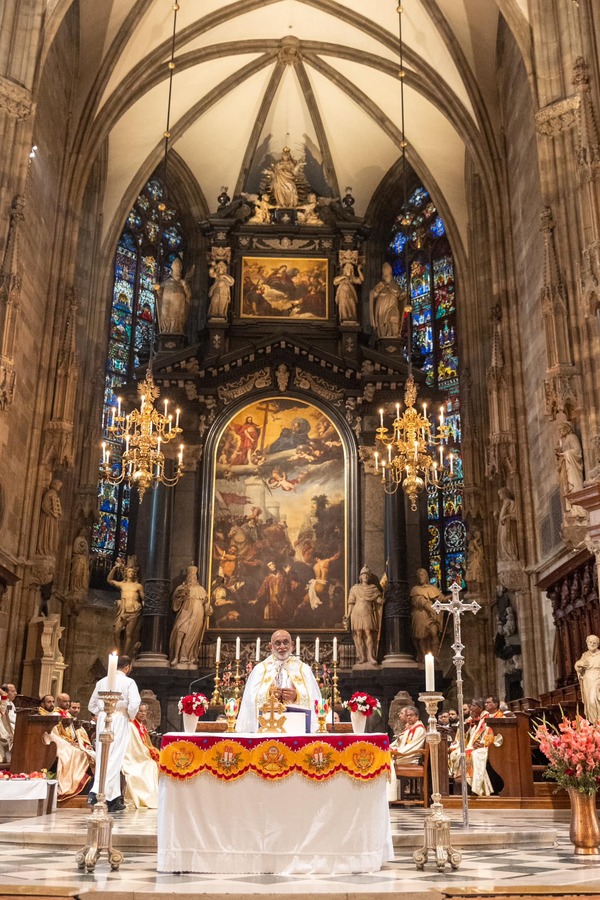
(315, 757)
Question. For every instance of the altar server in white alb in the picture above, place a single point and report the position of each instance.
(125, 710)
(293, 679)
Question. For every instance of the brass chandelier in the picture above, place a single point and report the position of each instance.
(407, 454)
(144, 431)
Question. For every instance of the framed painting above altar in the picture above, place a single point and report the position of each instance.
(276, 288)
(279, 519)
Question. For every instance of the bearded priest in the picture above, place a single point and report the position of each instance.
(293, 681)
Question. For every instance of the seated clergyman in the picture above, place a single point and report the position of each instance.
(407, 748)
(284, 675)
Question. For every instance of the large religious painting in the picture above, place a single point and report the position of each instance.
(284, 288)
(278, 555)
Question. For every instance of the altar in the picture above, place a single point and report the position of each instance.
(280, 804)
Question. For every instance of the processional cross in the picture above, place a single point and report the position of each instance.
(457, 607)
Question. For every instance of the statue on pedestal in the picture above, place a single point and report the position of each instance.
(190, 602)
(588, 672)
(47, 542)
(365, 605)
(507, 549)
(475, 573)
(80, 566)
(220, 291)
(346, 298)
(283, 177)
(173, 300)
(426, 623)
(129, 608)
(386, 305)
(569, 456)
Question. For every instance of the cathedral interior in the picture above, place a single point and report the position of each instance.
(272, 232)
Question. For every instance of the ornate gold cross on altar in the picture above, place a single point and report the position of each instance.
(270, 716)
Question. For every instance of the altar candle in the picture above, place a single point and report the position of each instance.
(258, 649)
(119, 406)
(298, 646)
(376, 461)
(316, 650)
(429, 673)
(237, 648)
(218, 651)
(335, 649)
(177, 412)
(381, 417)
(112, 671)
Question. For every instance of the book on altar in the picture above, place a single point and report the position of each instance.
(297, 720)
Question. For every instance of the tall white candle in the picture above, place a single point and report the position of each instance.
(218, 652)
(237, 648)
(258, 649)
(316, 650)
(112, 671)
(298, 646)
(429, 673)
(335, 649)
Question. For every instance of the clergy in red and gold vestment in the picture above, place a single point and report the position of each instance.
(140, 764)
(73, 749)
(478, 738)
(407, 747)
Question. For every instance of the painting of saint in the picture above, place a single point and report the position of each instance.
(284, 288)
(278, 555)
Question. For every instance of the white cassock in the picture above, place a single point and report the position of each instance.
(125, 710)
(477, 776)
(8, 717)
(407, 747)
(140, 771)
(289, 673)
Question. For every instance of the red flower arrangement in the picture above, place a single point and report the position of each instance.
(193, 704)
(363, 703)
(23, 776)
(574, 753)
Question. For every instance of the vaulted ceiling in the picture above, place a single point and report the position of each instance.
(318, 75)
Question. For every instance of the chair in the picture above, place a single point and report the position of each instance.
(418, 772)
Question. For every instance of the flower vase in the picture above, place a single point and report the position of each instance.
(359, 722)
(190, 720)
(584, 830)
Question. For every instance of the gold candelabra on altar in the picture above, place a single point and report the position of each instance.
(407, 455)
(143, 431)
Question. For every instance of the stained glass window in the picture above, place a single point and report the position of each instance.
(419, 246)
(131, 333)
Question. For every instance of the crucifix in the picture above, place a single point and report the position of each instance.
(457, 607)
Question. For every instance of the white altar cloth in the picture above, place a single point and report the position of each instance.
(290, 827)
(27, 797)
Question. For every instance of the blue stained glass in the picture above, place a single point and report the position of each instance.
(452, 501)
(455, 569)
(433, 511)
(143, 203)
(172, 237)
(418, 197)
(434, 539)
(399, 270)
(155, 188)
(399, 242)
(123, 535)
(419, 279)
(134, 220)
(126, 242)
(435, 570)
(436, 229)
(152, 231)
(120, 327)
(453, 422)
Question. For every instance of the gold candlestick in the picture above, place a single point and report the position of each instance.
(100, 824)
(236, 680)
(215, 700)
(437, 824)
(322, 729)
(336, 699)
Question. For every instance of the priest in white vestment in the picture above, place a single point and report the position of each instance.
(125, 710)
(140, 764)
(407, 748)
(292, 679)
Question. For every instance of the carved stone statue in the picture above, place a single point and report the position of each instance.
(80, 566)
(129, 608)
(282, 176)
(191, 603)
(173, 298)
(588, 672)
(426, 623)
(474, 575)
(386, 305)
(47, 542)
(262, 210)
(346, 297)
(307, 212)
(220, 291)
(365, 604)
(507, 527)
(570, 467)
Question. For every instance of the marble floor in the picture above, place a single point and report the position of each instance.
(39, 852)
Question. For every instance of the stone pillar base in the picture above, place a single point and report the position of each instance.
(398, 661)
(152, 661)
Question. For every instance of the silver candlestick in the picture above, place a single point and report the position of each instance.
(100, 824)
(437, 824)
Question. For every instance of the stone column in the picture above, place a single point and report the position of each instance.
(395, 630)
(157, 585)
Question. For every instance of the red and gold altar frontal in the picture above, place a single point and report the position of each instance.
(272, 758)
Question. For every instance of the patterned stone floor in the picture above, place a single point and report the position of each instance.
(23, 861)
